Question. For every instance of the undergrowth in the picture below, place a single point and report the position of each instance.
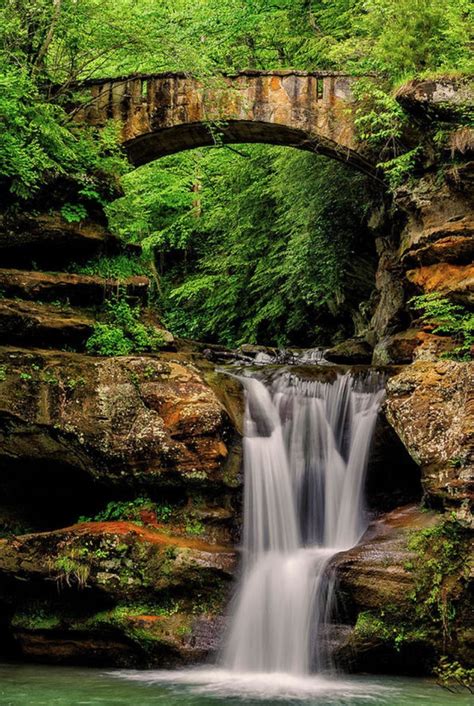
(123, 333)
(440, 570)
(130, 510)
(119, 267)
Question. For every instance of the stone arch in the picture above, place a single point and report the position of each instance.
(167, 113)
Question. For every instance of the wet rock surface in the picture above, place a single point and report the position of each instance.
(350, 351)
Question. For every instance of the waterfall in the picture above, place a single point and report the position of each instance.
(306, 447)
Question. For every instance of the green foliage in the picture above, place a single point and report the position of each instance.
(124, 333)
(39, 144)
(250, 246)
(25, 377)
(386, 626)
(449, 319)
(440, 566)
(194, 527)
(121, 510)
(119, 267)
(454, 677)
(3, 373)
(49, 44)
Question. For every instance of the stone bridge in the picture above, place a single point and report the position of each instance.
(166, 113)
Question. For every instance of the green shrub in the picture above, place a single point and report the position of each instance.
(123, 333)
(71, 570)
(450, 320)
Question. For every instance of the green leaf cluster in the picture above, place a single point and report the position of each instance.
(124, 333)
(130, 510)
(119, 267)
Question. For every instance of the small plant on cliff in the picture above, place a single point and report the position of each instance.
(70, 570)
(454, 677)
(73, 213)
(123, 333)
(449, 319)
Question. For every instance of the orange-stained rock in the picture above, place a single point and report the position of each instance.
(410, 345)
(455, 281)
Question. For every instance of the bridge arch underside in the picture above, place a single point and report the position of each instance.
(170, 140)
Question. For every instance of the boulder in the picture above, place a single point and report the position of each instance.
(351, 351)
(386, 629)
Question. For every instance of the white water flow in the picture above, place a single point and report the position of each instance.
(306, 447)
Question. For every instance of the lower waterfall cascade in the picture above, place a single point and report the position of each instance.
(306, 448)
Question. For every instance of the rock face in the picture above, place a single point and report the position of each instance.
(455, 281)
(142, 443)
(48, 240)
(44, 325)
(430, 407)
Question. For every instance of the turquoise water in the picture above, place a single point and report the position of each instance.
(32, 685)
